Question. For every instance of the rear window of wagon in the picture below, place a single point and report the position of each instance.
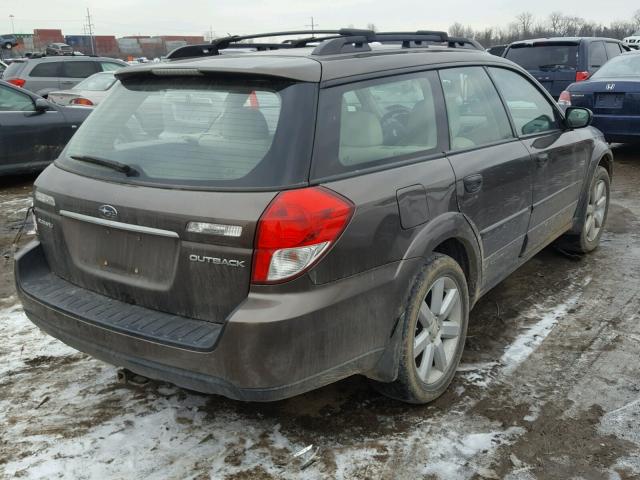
(203, 132)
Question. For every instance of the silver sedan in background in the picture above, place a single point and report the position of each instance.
(88, 93)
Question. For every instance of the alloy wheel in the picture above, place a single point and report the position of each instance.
(437, 330)
(596, 210)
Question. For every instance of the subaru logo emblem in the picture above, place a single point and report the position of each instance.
(610, 86)
(107, 211)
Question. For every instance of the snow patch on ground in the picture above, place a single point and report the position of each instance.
(16, 206)
(527, 342)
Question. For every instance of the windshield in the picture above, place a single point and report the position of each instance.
(546, 57)
(620, 66)
(199, 131)
(97, 83)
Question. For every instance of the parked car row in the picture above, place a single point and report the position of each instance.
(558, 62)
(613, 95)
(601, 74)
(47, 74)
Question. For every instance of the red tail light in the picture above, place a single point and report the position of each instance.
(295, 230)
(18, 82)
(581, 76)
(565, 99)
(82, 101)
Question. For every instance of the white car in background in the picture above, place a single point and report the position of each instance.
(633, 41)
(88, 93)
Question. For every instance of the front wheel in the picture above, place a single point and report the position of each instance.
(595, 216)
(434, 333)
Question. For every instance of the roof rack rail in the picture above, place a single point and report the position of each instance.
(330, 42)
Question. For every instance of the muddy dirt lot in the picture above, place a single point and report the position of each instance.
(549, 388)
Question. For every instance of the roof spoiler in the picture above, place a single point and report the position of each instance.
(326, 42)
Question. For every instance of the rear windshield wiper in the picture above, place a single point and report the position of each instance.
(128, 170)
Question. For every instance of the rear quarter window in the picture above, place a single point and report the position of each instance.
(79, 69)
(597, 55)
(47, 69)
(377, 122)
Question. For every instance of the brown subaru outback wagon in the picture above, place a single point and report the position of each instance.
(261, 223)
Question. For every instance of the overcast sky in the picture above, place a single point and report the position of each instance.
(195, 17)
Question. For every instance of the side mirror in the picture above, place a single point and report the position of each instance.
(42, 105)
(578, 117)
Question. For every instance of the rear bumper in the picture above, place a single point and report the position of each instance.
(618, 128)
(273, 346)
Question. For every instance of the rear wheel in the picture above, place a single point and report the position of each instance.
(433, 335)
(595, 216)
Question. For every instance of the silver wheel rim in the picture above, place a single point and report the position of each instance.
(595, 210)
(437, 330)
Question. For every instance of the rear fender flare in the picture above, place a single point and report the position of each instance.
(456, 226)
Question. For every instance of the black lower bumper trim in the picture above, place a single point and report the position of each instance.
(36, 280)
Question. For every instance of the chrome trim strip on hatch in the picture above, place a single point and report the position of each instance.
(119, 225)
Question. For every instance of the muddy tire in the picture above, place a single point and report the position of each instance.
(595, 216)
(434, 332)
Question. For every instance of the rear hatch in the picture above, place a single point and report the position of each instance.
(12, 73)
(553, 64)
(158, 195)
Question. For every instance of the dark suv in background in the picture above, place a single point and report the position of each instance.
(261, 224)
(8, 41)
(46, 74)
(558, 62)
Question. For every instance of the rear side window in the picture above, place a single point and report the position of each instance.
(613, 49)
(13, 101)
(79, 69)
(597, 55)
(110, 66)
(530, 110)
(545, 56)
(474, 109)
(190, 131)
(376, 122)
(47, 69)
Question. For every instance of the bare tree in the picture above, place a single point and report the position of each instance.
(456, 30)
(636, 21)
(525, 22)
(555, 22)
(372, 26)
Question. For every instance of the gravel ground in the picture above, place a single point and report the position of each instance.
(549, 388)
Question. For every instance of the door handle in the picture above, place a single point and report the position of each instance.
(542, 159)
(472, 183)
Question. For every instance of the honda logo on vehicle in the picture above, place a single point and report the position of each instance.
(107, 211)
(217, 261)
(610, 86)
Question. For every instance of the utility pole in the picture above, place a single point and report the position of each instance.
(13, 28)
(313, 26)
(90, 27)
